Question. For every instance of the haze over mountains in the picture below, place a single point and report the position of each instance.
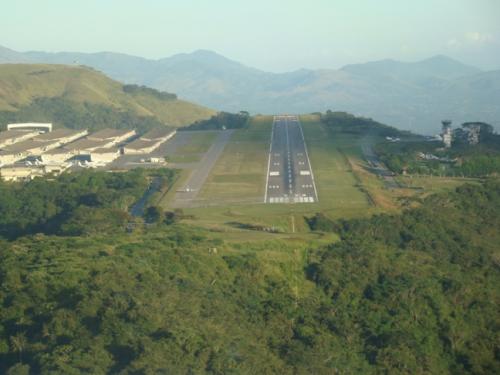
(414, 96)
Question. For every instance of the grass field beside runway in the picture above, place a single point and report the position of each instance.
(241, 171)
(338, 188)
(239, 174)
(346, 186)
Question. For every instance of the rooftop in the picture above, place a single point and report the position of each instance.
(110, 133)
(27, 145)
(111, 150)
(157, 133)
(57, 151)
(140, 143)
(58, 134)
(86, 143)
(9, 134)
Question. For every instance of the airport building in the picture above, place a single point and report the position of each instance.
(140, 146)
(63, 136)
(9, 137)
(57, 155)
(40, 126)
(104, 155)
(87, 145)
(26, 173)
(446, 133)
(157, 134)
(23, 144)
(149, 142)
(112, 135)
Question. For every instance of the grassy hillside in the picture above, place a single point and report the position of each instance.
(23, 85)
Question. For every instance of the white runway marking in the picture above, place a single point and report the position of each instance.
(290, 180)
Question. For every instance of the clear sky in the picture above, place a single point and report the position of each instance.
(275, 35)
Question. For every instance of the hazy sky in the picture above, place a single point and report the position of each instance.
(276, 35)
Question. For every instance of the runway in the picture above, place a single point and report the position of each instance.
(290, 177)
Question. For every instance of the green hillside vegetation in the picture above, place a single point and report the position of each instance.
(221, 121)
(361, 126)
(80, 203)
(70, 96)
(462, 159)
(397, 294)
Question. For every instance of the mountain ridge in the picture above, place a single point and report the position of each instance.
(408, 95)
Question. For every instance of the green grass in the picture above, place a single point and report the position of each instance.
(184, 158)
(240, 173)
(234, 190)
(338, 193)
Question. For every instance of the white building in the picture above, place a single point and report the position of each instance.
(58, 155)
(473, 132)
(20, 173)
(104, 155)
(30, 125)
(23, 173)
(140, 146)
(24, 149)
(447, 134)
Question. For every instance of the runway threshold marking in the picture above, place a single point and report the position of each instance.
(269, 160)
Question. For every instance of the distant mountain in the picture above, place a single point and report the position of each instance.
(412, 96)
(10, 56)
(22, 86)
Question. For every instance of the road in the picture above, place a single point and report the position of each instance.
(377, 166)
(290, 177)
(138, 208)
(186, 195)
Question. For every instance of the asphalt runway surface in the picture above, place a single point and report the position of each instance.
(290, 177)
(186, 195)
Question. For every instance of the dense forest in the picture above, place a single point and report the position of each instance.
(69, 114)
(220, 121)
(397, 294)
(136, 89)
(73, 204)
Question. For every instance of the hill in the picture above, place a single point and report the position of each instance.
(23, 87)
(408, 95)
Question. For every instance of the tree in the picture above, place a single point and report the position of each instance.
(153, 214)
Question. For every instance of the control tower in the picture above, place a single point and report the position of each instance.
(446, 133)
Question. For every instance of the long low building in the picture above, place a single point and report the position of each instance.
(87, 145)
(104, 155)
(24, 149)
(24, 173)
(149, 142)
(140, 146)
(31, 125)
(157, 134)
(10, 137)
(57, 155)
(112, 135)
(62, 135)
